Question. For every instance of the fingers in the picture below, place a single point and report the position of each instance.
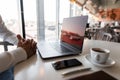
(19, 37)
(29, 45)
(33, 46)
(27, 41)
(33, 43)
(19, 40)
(30, 42)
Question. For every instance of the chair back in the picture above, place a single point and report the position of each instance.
(101, 35)
(106, 36)
(5, 44)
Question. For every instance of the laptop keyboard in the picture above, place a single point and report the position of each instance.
(60, 48)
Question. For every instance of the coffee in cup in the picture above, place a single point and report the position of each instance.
(99, 55)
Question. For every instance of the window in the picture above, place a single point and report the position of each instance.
(64, 9)
(50, 19)
(9, 10)
(51, 14)
(63, 12)
(30, 18)
(10, 13)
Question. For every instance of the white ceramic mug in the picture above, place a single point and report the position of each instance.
(99, 55)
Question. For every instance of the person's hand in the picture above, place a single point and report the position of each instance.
(28, 45)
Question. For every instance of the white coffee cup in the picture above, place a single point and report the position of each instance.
(99, 55)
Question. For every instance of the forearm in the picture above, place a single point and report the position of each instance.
(8, 59)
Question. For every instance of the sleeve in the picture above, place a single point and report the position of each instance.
(6, 34)
(8, 59)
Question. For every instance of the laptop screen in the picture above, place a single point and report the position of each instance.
(73, 30)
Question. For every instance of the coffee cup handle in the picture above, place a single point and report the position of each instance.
(97, 57)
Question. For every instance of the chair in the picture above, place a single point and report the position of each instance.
(89, 33)
(5, 44)
(101, 35)
(115, 38)
(110, 32)
(106, 36)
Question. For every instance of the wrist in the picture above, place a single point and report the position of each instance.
(19, 54)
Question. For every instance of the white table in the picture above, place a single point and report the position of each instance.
(37, 69)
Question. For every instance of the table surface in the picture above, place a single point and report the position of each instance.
(37, 69)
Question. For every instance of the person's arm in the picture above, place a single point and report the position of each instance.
(25, 49)
(10, 58)
(6, 34)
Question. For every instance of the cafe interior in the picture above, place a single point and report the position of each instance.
(104, 18)
(43, 18)
(103, 24)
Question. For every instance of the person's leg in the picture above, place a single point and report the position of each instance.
(7, 75)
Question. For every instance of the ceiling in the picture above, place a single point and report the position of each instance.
(109, 3)
(95, 6)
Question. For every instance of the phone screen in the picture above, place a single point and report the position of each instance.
(66, 64)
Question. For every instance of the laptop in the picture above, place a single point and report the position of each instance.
(70, 42)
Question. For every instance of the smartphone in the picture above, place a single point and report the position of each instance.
(66, 64)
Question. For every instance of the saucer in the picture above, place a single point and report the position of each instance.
(110, 62)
